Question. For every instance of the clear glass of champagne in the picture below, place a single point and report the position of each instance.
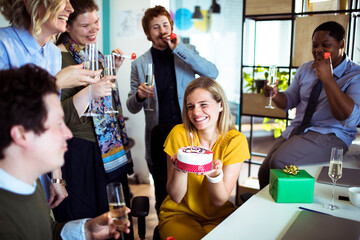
(149, 81)
(271, 83)
(91, 63)
(335, 172)
(109, 71)
(117, 204)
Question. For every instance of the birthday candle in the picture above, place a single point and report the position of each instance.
(191, 136)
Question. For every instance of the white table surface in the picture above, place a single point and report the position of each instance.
(262, 218)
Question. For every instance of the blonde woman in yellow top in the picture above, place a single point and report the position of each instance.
(196, 203)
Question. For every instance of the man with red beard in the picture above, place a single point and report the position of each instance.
(175, 65)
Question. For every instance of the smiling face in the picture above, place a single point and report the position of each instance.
(159, 27)
(85, 28)
(323, 42)
(202, 110)
(49, 147)
(56, 23)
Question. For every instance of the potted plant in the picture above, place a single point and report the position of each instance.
(255, 84)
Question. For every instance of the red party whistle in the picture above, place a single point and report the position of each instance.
(172, 36)
(327, 55)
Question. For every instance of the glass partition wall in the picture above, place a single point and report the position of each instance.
(215, 30)
(278, 32)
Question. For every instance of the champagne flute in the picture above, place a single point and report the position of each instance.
(91, 63)
(335, 172)
(117, 204)
(109, 71)
(271, 83)
(149, 81)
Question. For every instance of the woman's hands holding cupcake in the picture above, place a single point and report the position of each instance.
(216, 169)
(173, 160)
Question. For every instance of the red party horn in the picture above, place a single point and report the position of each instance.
(327, 55)
(172, 36)
(132, 57)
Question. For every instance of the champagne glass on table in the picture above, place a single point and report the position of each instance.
(91, 63)
(109, 70)
(149, 81)
(271, 83)
(335, 172)
(117, 204)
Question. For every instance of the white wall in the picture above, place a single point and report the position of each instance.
(99, 39)
(217, 38)
(3, 21)
(356, 56)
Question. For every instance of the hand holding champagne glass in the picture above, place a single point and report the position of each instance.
(117, 204)
(109, 70)
(335, 172)
(149, 81)
(271, 83)
(91, 63)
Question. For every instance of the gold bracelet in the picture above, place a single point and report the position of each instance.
(61, 181)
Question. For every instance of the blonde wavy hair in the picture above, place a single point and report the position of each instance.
(25, 13)
(225, 122)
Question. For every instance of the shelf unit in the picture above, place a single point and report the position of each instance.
(286, 10)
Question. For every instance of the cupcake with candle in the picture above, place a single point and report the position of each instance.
(194, 159)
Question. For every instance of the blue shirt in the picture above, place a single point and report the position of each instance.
(347, 76)
(18, 47)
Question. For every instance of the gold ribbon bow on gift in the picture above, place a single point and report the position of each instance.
(292, 169)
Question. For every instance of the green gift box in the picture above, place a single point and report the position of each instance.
(287, 188)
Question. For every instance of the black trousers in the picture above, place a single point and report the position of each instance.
(86, 183)
(308, 148)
